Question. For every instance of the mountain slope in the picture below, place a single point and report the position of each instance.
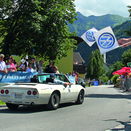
(116, 55)
(82, 24)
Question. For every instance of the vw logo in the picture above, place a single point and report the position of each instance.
(106, 40)
(90, 36)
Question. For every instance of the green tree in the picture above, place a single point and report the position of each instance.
(126, 57)
(117, 66)
(95, 67)
(128, 32)
(37, 27)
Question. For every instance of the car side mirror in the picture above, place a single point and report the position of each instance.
(83, 84)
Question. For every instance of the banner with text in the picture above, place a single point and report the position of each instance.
(12, 77)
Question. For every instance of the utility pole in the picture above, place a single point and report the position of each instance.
(104, 57)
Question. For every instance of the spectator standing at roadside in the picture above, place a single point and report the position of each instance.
(19, 65)
(73, 73)
(83, 62)
(2, 64)
(76, 77)
(10, 57)
(56, 70)
(70, 73)
(10, 65)
(27, 62)
(35, 65)
(13, 60)
(22, 66)
(29, 68)
(50, 68)
(41, 68)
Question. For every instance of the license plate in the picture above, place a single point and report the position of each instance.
(18, 96)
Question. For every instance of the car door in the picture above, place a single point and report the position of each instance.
(70, 91)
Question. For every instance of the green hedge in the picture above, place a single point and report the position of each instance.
(114, 78)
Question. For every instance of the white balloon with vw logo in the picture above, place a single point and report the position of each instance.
(106, 40)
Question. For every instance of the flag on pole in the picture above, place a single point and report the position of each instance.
(88, 36)
(106, 40)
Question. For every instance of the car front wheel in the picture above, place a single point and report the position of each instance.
(54, 101)
(12, 106)
(80, 98)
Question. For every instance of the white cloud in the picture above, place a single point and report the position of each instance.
(102, 7)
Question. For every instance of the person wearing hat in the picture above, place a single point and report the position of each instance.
(2, 64)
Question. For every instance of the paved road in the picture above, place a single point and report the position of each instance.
(104, 108)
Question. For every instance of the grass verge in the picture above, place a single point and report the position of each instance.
(2, 103)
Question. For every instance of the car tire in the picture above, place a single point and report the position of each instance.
(80, 98)
(12, 106)
(54, 101)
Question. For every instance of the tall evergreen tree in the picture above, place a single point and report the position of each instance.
(128, 32)
(95, 67)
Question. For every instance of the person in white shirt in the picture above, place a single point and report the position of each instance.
(35, 65)
(29, 68)
(56, 70)
(2, 64)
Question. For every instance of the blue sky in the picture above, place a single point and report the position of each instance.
(102, 7)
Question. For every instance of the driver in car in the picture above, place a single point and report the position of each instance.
(59, 81)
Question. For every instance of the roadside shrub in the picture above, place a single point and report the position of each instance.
(114, 78)
(104, 79)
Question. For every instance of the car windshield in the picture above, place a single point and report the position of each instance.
(42, 77)
(80, 80)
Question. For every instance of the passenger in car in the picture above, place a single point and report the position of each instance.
(59, 81)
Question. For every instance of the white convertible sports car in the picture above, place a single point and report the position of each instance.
(42, 90)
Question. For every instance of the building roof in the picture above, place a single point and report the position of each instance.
(78, 39)
(77, 57)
